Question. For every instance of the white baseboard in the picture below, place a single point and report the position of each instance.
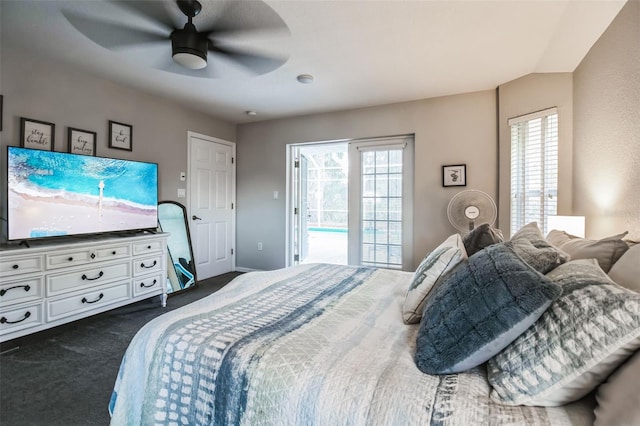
(241, 269)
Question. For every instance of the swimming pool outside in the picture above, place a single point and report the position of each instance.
(327, 245)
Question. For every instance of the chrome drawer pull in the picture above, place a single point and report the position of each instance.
(142, 265)
(142, 284)
(84, 299)
(84, 277)
(4, 320)
(4, 290)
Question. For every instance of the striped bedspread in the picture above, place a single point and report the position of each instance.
(310, 345)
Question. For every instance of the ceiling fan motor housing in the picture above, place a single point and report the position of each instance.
(187, 43)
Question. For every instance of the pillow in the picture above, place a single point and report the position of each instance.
(618, 397)
(626, 271)
(583, 336)
(530, 245)
(433, 266)
(479, 308)
(607, 250)
(481, 237)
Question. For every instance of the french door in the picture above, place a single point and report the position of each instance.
(380, 203)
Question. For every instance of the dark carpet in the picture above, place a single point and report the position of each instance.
(64, 376)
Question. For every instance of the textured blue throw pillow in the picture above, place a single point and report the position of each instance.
(479, 308)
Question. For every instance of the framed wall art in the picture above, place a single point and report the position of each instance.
(81, 141)
(120, 136)
(37, 134)
(455, 175)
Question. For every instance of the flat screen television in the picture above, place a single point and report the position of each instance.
(54, 194)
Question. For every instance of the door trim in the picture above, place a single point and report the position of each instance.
(232, 145)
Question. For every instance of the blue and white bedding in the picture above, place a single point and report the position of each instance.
(309, 345)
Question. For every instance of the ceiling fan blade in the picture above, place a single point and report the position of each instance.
(238, 16)
(255, 62)
(155, 10)
(112, 35)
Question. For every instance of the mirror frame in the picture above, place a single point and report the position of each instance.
(188, 232)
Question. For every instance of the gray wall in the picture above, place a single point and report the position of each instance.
(53, 92)
(448, 130)
(606, 87)
(531, 93)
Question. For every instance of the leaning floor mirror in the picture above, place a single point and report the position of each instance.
(181, 271)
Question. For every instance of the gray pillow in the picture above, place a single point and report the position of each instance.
(532, 247)
(481, 237)
(607, 250)
(479, 308)
(583, 336)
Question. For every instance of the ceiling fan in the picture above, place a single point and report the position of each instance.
(190, 46)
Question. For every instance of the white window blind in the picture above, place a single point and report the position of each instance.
(534, 168)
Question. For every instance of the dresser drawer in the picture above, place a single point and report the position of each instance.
(113, 252)
(147, 247)
(84, 301)
(87, 277)
(147, 265)
(21, 291)
(20, 265)
(64, 259)
(20, 318)
(148, 284)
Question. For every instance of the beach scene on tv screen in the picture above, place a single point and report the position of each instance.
(59, 194)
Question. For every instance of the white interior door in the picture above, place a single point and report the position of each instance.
(211, 204)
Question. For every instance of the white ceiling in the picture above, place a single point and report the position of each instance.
(361, 52)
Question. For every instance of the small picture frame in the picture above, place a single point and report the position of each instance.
(37, 134)
(81, 142)
(454, 175)
(120, 136)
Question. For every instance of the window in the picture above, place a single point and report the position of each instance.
(534, 168)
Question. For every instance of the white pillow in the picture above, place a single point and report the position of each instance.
(618, 396)
(626, 271)
(436, 264)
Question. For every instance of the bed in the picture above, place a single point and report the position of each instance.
(314, 344)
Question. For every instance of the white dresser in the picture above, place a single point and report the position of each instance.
(48, 285)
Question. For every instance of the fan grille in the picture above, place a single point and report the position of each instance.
(470, 208)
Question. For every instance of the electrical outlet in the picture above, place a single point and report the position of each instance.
(182, 193)
(259, 246)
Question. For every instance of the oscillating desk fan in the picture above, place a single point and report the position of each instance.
(470, 208)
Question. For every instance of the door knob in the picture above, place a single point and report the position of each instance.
(194, 217)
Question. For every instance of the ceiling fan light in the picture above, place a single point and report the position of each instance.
(188, 48)
(189, 60)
